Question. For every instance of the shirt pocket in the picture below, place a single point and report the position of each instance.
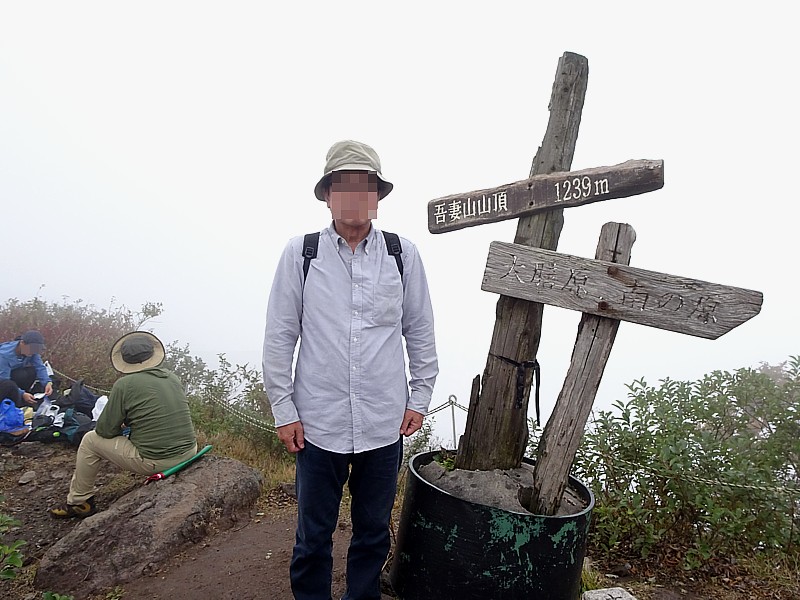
(387, 301)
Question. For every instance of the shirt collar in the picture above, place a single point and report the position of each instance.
(369, 241)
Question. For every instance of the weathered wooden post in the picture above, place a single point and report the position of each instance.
(495, 412)
(607, 291)
(500, 414)
(499, 401)
(449, 546)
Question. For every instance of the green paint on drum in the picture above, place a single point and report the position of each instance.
(448, 547)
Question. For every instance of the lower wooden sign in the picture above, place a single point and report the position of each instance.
(606, 289)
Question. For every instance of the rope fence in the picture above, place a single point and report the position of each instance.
(452, 402)
(68, 378)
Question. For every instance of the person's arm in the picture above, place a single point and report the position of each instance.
(109, 423)
(284, 313)
(418, 331)
(41, 373)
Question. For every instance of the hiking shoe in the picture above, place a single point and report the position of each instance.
(82, 510)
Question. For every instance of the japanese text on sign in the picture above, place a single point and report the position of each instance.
(549, 276)
(455, 210)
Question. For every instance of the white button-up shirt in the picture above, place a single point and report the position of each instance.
(350, 389)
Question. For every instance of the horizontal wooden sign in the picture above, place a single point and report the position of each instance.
(544, 192)
(616, 291)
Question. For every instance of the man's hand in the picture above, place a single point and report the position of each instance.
(412, 421)
(48, 389)
(28, 398)
(292, 436)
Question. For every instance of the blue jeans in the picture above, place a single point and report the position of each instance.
(320, 479)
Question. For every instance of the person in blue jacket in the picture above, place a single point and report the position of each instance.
(22, 371)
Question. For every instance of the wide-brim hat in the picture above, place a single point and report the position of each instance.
(349, 155)
(137, 351)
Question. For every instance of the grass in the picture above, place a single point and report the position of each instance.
(275, 466)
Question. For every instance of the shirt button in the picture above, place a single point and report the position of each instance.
(355, 339)
(355, 312)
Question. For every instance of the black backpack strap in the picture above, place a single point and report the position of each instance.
(394, 248)
(310, 244)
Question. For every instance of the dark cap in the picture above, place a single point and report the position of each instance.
(34, 340)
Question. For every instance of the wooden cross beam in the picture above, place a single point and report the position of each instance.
(607, 291)
(616, 291)
(544, 192)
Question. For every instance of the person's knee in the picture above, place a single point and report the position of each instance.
(10, 390)
(88, 439)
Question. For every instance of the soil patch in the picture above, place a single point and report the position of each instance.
(506, 489)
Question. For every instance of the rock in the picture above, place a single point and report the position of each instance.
(616, 593)
(620, 569)
(290, 489)
(433, 471)
(139, 532)
(27, 477)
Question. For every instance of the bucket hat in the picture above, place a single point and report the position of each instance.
(349, 155)
(137, 351)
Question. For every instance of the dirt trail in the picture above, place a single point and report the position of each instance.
(246, 563)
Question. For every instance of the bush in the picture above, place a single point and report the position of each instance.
(10, 556)
(689, 471)
(78, 336)
(229, 400)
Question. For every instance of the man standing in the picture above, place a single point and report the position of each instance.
(150, 401)
(351, 304)
(22, 372)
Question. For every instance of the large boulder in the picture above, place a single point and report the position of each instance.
(149, 525)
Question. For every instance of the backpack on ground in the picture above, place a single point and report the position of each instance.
(68, 426)
(79, 397)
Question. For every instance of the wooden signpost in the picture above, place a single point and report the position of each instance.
(544, 192)
(496, 433)
(529, 274)
(607, 291)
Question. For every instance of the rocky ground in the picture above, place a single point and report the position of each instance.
(247, 562)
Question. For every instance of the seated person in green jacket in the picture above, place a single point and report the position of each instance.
(150, 400)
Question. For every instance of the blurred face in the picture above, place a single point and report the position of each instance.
(353, 197)
(26, 350)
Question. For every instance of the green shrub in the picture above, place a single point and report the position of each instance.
(697, 470)
(10, 556)
(228, 400)
(78, 336)
(54, 596)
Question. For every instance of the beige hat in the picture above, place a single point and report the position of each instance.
(137, 351)
(349, 155)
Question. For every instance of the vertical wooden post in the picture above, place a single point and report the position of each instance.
(564, 431)
(496, 431)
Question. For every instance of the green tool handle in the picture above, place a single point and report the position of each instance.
(187, 462)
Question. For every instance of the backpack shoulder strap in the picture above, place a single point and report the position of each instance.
(394, 248)
(310, 244)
